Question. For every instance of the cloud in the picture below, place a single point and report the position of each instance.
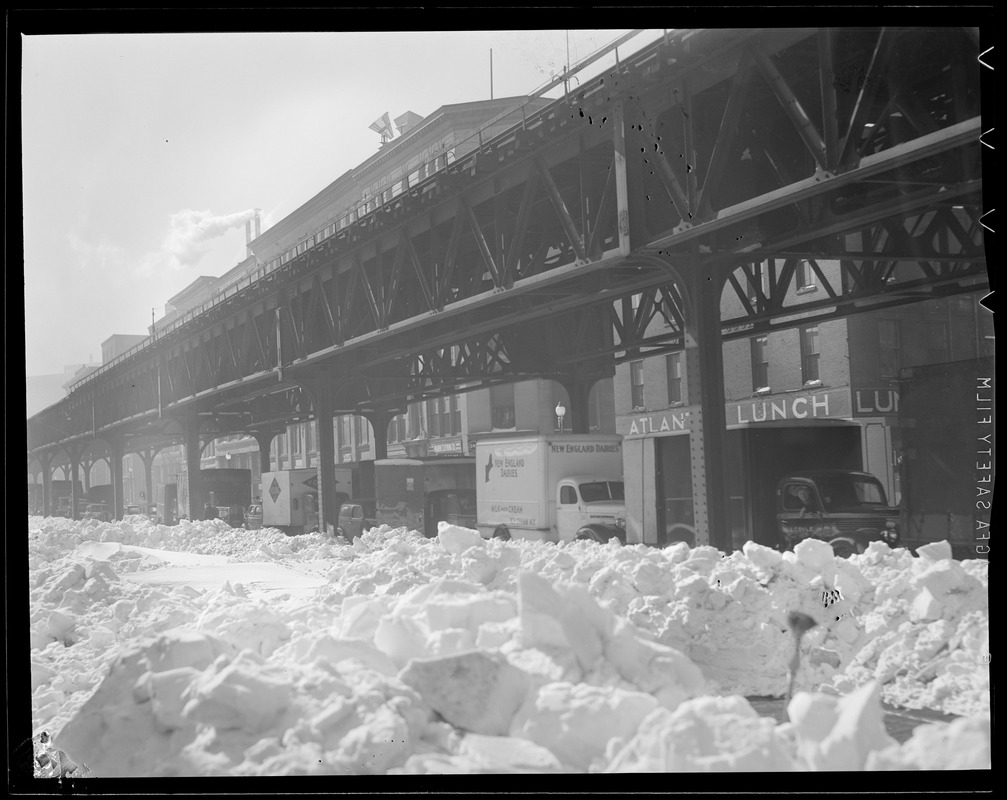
(102, 257)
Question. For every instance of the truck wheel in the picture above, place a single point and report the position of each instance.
(844, 547)
(680, 532)
(596, 533)
(501, 532)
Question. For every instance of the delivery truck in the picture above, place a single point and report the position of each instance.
(289, 498)
(551, 488)
(59, 493)
(417, 493)
(224, 489)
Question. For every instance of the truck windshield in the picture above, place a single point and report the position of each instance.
(848, 491)
(601, 491)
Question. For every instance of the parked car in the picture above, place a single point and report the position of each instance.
(352, 521)
(135, 509)
(253, 517)
(847, 509)
(98, 511)
(232, 515)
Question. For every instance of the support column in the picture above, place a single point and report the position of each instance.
(705, 380)
(115, 454)
(148, 456)
(194, 489)
(328, 509)
(74, 453)
(265, 440)
(86, 464)
(579, 392)
(379, 430)
(46, 462)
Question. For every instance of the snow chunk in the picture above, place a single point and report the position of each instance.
(815, 554)
(961, 744)
(858, 730)
(705, 734)
(456, 540)
(762, 556)
(935, 551)
(241, 695)
(476, 691)
(577, 721)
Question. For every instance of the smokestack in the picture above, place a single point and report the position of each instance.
(258, 230)
(248, 237)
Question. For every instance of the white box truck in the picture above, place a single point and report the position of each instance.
(290, 500)
(551, 488)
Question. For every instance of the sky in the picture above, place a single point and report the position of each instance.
(144, 154)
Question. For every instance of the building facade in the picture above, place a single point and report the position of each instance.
(822, 395)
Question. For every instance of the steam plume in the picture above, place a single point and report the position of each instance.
(192, 230)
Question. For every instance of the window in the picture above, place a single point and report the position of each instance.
(363, 430)
(397, 430)
(674, 363)
(937, 342)
(805, 275)
(433, 418)
(889, 348)
(415, 427)
(567, 495)
(502, 405)
(310, 435)
(799, 497)
(447, 426)
(456, 414)
(295, 439)
(760, 363)
(809, 354)
(344, 431)
(636, 383)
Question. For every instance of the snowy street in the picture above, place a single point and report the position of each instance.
(455, 654)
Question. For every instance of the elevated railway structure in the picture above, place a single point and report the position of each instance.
(657, 188)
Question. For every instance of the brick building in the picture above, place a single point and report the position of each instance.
(815, 396)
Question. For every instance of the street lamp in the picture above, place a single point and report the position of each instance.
(560, 413)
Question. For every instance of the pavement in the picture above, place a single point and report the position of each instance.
(899, 722)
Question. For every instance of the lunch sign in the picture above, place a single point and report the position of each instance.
(825, 404)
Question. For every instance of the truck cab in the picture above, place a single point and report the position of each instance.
(353, 521)
(98, 511)
(589, 507)
(847, 509)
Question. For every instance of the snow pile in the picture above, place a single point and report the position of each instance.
(398, 653)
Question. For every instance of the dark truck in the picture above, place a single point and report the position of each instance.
(227, 491)
(415, 493)
(845, 508)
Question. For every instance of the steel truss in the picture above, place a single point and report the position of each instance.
(711, 151)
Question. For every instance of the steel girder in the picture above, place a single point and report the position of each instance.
(738, 145)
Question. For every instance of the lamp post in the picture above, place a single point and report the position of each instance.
(560, 413)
